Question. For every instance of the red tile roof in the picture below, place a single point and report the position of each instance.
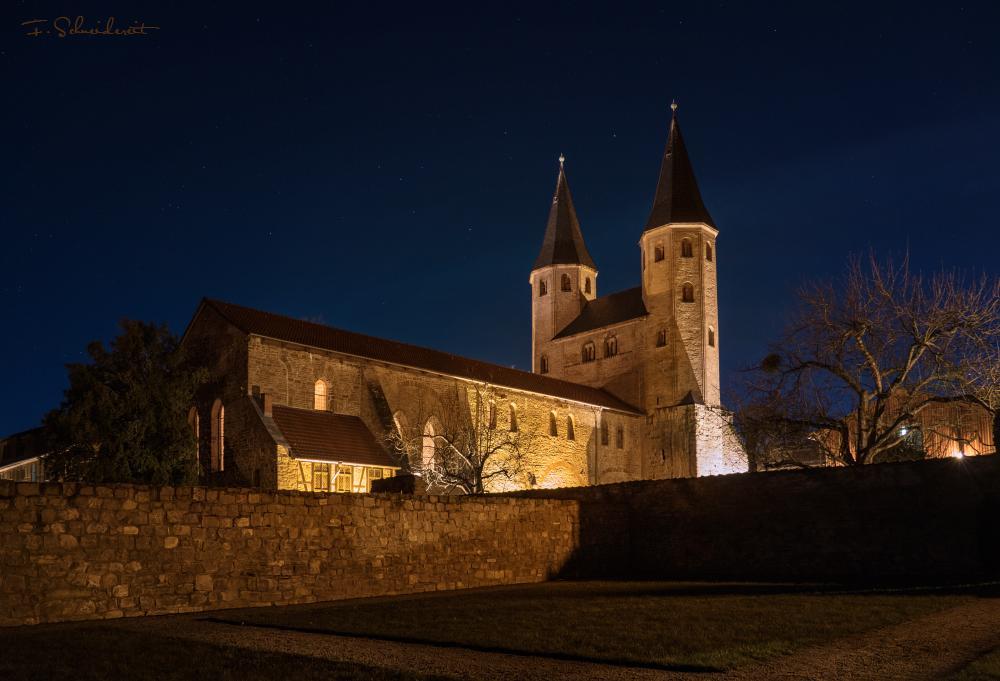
(326, 436)
(256, 322)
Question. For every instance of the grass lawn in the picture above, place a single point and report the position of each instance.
(986, 668)
(658, 624)
(99, 651)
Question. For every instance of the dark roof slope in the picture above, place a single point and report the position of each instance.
(677, 196)
(563, 242)
(301, 332)
(607, 310)
(326, 436)
(23, 446)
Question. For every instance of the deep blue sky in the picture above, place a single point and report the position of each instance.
(389, 170)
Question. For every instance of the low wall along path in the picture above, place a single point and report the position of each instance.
(71, 551)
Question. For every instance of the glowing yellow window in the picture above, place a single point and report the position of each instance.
(344, 478)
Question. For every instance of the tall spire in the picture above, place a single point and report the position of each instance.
(677, 197)
(563, 243)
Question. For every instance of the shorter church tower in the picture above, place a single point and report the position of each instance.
(564, 276)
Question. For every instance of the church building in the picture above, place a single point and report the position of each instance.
(623, 386)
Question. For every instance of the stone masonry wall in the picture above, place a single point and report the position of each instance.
(71, 551)
(923, 521)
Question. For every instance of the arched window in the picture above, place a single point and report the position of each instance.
(567, 283)
(611, 346)
(542, 288)
(708, 252)
(687, 293)
(619, 437)
(586, 285)
(686, 250)
(661, 338)
(543, 364)
(319, 395)
(429, 446)
(553, 424)
(589, 352)
(218, 436)
(711, 337)
(493, 415)
(604, 433)
(570, 428)
(658, 254)
(513, 418)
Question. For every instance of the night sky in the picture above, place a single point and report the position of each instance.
(389, 170)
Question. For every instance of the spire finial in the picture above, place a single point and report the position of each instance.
(673, 105)
(562, 159)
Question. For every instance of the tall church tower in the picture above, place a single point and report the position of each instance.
(564, 276)
(679, 286)
(688, 431)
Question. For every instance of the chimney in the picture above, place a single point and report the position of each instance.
(267, 401)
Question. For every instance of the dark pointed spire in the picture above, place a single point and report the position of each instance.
(677, 197)
(563, 243)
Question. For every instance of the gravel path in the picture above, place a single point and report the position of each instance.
(925, 648)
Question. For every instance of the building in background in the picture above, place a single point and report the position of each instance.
(21, 456)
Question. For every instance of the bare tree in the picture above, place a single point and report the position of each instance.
(861, 358)
(465, 446)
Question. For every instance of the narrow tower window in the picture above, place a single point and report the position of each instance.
(570, 428)
(586, 285)
(542, 288)
(711, 337)
(543, 364)
(686, 250)
(611, 346)
(319, 395)
(553, 424)
(620, 437)
(493, 415)
(513, 418)
(604, 433)
(589, 352)
(708, 252)
(687, 293)
(567, 284)
(658, 253)
(661, 338)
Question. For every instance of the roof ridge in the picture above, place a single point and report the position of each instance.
(617, 403)
(329, 327)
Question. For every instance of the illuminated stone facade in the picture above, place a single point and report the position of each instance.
(575, 435)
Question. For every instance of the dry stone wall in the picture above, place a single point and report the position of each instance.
(70, 551)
